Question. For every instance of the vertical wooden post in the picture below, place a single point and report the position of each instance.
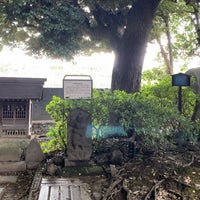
(180, 99)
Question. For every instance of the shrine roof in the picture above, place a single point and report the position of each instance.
(21, 88)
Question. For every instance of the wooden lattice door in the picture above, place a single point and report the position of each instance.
(14, 118)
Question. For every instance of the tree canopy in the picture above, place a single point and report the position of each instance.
(64, 28)
(175, 29)
(49, 28)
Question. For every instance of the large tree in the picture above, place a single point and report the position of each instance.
(130, 48)
(62, 28)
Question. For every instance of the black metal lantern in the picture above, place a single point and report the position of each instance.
(180, 80)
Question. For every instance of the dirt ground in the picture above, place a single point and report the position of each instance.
(18, 190)
(160, 175)
(164, 174)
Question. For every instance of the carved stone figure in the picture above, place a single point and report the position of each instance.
(79, 142)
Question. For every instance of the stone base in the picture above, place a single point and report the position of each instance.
(71, 163)
(12, 166)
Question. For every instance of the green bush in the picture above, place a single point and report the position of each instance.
(152, 112)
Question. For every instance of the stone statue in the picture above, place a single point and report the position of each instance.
(79, 143)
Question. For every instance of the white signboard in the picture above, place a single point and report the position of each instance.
(77, 88)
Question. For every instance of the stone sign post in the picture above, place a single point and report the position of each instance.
(79, 142)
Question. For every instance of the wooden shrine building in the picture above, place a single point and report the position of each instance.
(16, 95)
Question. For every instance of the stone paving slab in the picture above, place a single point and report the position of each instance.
(63, 189)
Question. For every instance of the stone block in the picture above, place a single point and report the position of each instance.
(33, 154)
(12, 166)
(11, 149)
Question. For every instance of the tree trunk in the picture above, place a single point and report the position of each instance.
(170, 68)
(168, 61)
(130, 51)
(127, 69)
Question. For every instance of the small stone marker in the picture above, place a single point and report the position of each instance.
(33, 155)
(79, 142)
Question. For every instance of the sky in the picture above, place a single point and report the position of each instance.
(99, 66)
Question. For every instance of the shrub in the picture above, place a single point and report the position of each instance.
(152, 112)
